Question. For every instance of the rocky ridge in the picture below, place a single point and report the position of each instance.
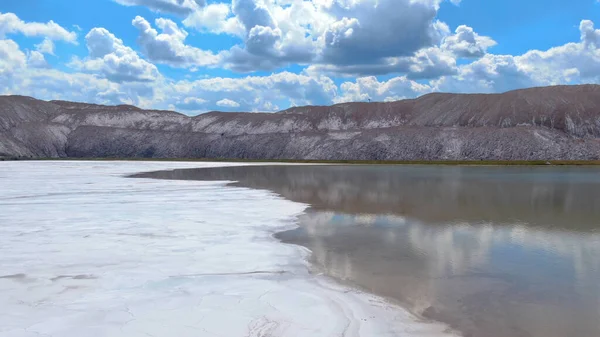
(560, 123)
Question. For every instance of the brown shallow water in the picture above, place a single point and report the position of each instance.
(492, 251)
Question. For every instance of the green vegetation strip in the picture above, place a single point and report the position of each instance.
(359, 162)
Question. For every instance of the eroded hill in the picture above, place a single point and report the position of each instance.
(560, 123)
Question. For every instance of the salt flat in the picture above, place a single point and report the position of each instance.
(87, 252)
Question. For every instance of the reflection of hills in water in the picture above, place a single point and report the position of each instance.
(552, 197)
(496, 252)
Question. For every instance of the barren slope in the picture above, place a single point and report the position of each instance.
(561, 122)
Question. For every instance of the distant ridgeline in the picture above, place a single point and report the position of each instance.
(550, 123)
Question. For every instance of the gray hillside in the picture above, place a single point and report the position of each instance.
(561, 122)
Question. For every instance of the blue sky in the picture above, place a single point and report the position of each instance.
(264, 55)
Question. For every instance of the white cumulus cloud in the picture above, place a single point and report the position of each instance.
(169, 46)
(575, 62)
(11, 24)
(109, 57)
(36, 59)
(215, 18)
(226, 102)
(45, 47)
(468, 44)
(176, 7)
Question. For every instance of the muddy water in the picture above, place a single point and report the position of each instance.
(493, 251)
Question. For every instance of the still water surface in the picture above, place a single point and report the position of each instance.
(492, 251)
